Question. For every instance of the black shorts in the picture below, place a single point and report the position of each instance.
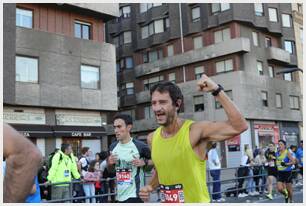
(272, 171)
(284, 176)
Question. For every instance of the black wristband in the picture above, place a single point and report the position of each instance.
(217, 91)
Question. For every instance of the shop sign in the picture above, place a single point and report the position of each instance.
(233, 144)
(24, 118)
(78, 120)
(81, 134)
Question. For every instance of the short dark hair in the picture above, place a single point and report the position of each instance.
(84, 150)
(125, 117)
(173, 90)
(283, 141)
(64, 146)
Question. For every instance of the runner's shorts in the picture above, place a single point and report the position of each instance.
(272, 171)
(284, 176)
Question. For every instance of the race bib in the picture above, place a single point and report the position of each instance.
(66, 173)
(172, 193)
(124, 176)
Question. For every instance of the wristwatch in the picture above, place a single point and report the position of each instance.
(217, 91)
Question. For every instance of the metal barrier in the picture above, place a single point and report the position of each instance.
(72, 198)
(147, 175)
(236, 179)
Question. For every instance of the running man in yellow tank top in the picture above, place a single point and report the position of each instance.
(179, 146)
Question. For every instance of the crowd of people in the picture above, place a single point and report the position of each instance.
(260, 169)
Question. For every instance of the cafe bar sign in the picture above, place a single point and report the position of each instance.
(24, 118)
(78, 120)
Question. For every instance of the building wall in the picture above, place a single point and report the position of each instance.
(56, 19)
(60, 59)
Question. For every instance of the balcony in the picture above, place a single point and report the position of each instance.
(202, 54)
(278, 55)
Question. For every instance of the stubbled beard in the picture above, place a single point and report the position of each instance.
(169, 118)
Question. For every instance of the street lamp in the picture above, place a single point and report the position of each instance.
(289, 70)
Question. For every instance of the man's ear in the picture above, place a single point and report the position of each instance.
(129, 127)
(178, 104)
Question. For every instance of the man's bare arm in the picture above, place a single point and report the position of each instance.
(22, 162)
(218, 131)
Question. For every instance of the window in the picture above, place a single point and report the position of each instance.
(125, 12)
(268, 42)
(155, 27)
(264, 98)
(148, 83)
(148, 112)
(167, 22)
(118, 67)
(289, 46)
(300, 8)
(273, 14)
(229, 93)
(255, 38)
(222, 35)
(223, 66)
(129, 62)
(116, 41)
(197, 42)
(258, 9)
(294, 102)
(259, 68)
(198, 102)
(143, 7)
(170, 50)
(288, 77)
(152, 55)
(158, 26)
(217, 7)
(301, 34)
(198, 71)
(127, 37)
(144, 32)
(82, 30)
(146, 6)
(286, 20)
(278, 100)
(129, 88)
(24, 18)
(171, 77)
(271, 71)
(90, 77)
(195, 14)
(26, 69)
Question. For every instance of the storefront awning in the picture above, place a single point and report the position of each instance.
(79, 131)
(34, 130)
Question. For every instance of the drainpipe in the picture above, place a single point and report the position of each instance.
(182, 38)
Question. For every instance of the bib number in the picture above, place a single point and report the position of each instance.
(124, 176)
(66, 173)
(172, 193)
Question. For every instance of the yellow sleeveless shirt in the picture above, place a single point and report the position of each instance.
(177, 163)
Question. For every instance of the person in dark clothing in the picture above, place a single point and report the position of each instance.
(45, 191)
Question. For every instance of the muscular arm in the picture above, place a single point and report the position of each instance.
(22, 162)
(219, 131)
